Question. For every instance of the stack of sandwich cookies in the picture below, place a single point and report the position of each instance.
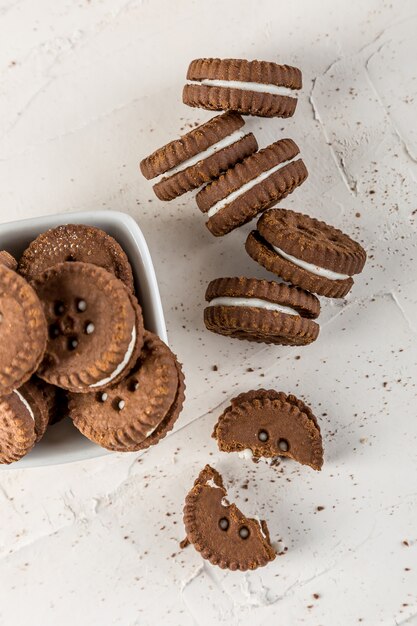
(199, 156)
(139, 410)
(257, 183)
(263, 424)
(259, 88)
(78, 326)
(306, 252)
(262, 311)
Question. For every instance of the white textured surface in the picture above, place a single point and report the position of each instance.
(88, 88)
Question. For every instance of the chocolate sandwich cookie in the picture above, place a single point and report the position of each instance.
(8, 260)
(52, 398)
(250, 87)
(199, 156)
(72, 243)
(23, 331)
(138, 411)
(306, 252)
(95, 327)
(250, 187)
(220, 531)
(262, 311)
(23, 422)
(269, 424)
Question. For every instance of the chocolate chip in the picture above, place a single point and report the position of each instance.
(89, 328)
(133, 385)
(263, 435)
(103, 396)
(59, 308)
(283, 445)
(244, 532)
(72, 343)
(121, 405)
(224, 523)
(81, 305)
(54, 331)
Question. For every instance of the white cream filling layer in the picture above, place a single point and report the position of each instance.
(26, 404)
(246, 454)
(223, 143)
(121, 365)
(252, 302)
(310, 267)
(274, 90)
(244, 188)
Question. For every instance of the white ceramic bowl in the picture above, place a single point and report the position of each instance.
(63, 443)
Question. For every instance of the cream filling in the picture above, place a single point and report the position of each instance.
(252, 302)
(223, 143)
(121, 365)
(310, 267)
(246, 454)
(244, 188)
(275, 90)
(26, 404)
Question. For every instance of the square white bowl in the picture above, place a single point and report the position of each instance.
(63, 443)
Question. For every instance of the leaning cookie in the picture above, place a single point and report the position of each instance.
(220, 531)
(8, 260)
(23, 331)
(95, 327)
(199, 156)
(262, 311)
(269, 424)
(75, 242)
(250, 187)
(258, 88)
(306, 252)
(23, 422)
(138, 411)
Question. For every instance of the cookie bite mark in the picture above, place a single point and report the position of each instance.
(220, 531)
(268, 424)
(261, 311)
(259, 88)
(306, 252)
(198, 156)
(257, 183)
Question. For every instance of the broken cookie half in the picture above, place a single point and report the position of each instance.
(219, 531)
(269, 424)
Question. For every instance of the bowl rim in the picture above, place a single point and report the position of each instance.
(149, 287)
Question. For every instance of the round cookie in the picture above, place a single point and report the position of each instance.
(140, 409)
(220, 531)
(260, 88)
(95, 327)
(306, 252)
(8, 260)
(23, 422)
(268, 424)
(257, 183)
(262, 311)
(199, 156)
(23, 331)
(72, 243)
